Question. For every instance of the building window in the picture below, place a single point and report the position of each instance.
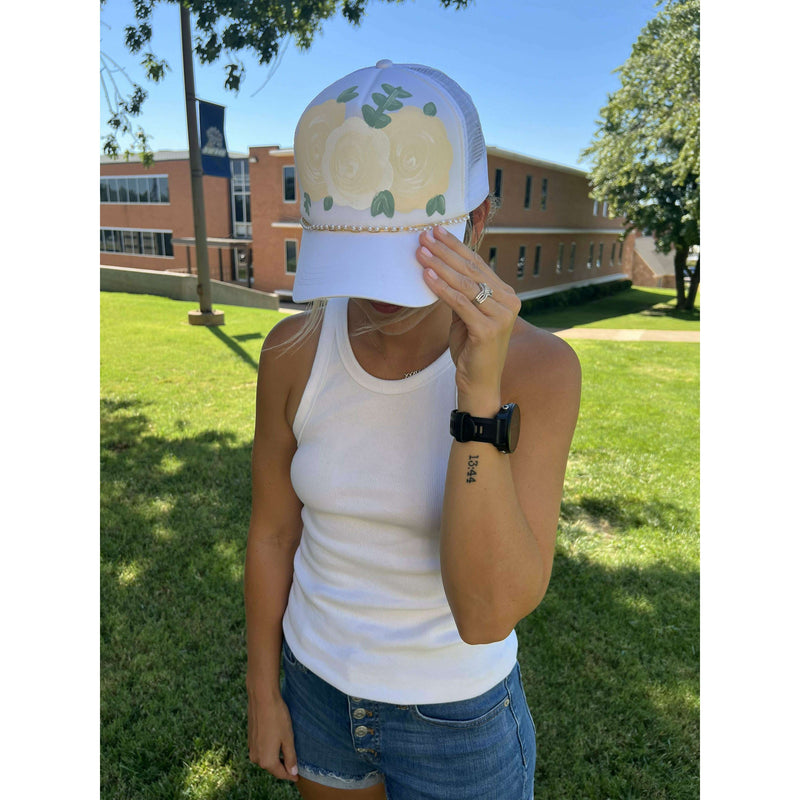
(528, 187)
(139, 189)
(591, 255)
(289, 194)
(560, 261)
(498, 183)
(600, 255)
(619, 258)
(605, 209)
(613, 253)
(493, 258)
(572, 250)
(537, 259)
(240, 198)
(544, 195)
(291, 255)
(594, 207)
(521, 262)
(136, 242)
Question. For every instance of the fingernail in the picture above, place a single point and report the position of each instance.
(427, 252)
(293, 770)
(428, 236)
(431, 274)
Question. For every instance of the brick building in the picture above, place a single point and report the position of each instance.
(548, 234)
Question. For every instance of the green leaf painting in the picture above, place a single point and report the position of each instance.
(306, 202)
(375, 117)
(397, 90)
(387, 104)
(347, 94)
(327, 203)
(429, 109)
(383, 203)
(435, 204)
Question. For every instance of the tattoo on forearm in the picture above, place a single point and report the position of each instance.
(472, 469)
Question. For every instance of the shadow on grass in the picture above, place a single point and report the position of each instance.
(610, 661)
(234, 346)
(608, 658)
(631, 301)
(606, 514)
(174, 516)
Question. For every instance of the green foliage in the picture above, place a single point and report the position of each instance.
(646, 152)
(573, 296)
(229, 27)
(634, 308)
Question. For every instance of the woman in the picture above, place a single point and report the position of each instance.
(403, 517)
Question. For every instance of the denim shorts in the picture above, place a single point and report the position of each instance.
(478, 749)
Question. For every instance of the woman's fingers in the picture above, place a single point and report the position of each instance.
(461, 268)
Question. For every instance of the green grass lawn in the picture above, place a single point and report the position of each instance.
(638, 307)
(610, 659)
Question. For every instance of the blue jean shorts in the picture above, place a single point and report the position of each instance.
(478, 749)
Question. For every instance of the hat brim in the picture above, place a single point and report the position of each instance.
(374, 266)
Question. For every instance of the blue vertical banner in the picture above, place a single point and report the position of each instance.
(213, 150)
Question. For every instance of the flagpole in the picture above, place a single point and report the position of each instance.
(206, 315)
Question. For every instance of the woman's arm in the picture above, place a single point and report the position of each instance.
(272, 539)
(500, 511)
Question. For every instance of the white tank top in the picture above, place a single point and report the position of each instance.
(367, 610)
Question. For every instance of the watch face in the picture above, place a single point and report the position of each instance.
(513, 427)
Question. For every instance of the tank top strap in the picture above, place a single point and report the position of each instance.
(335, 308)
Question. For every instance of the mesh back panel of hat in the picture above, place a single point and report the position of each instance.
(477, 169)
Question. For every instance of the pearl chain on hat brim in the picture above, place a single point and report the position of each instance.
(380, 228)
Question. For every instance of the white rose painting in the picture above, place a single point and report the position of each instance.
(391, 158)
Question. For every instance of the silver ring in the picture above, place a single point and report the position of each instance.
(484, 294)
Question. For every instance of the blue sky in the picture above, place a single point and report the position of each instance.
(539, 71)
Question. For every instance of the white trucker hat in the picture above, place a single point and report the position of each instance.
(381, 155)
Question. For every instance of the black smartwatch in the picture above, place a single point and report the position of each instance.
(502, 430)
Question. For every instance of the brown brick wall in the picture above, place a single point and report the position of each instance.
(268, 206)
(176, 216)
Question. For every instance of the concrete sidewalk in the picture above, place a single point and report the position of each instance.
(625, 335)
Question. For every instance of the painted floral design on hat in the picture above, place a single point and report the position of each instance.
(421, 156)
(393, 157)
(312, 133)
(355, 164)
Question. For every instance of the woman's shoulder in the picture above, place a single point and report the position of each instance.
(540, 363)
(287, 357)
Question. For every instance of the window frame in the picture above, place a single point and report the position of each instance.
(521, 261)
(498, 182)
(284, 170)
(286, 243)
(132, 186)
(131, 241)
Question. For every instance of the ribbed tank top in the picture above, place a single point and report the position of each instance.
(367, 610)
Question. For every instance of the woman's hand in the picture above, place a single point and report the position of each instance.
(270, 737)
(480, 333)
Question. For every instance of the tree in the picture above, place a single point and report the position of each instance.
(646, 151)
(225, 27)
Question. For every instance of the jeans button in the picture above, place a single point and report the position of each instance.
(360, 713)
(361, 731)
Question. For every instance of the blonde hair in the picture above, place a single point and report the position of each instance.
(315, 310)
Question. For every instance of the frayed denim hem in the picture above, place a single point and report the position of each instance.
(334, 781)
